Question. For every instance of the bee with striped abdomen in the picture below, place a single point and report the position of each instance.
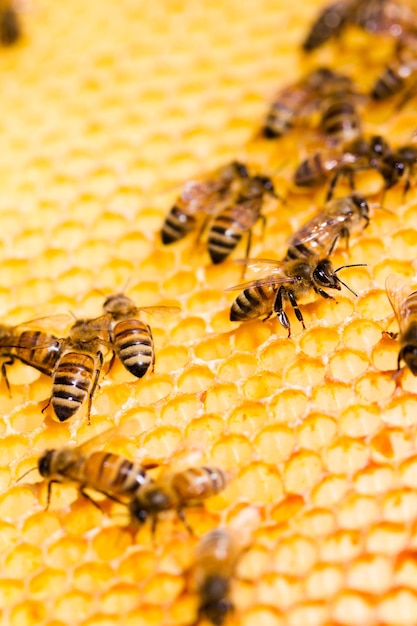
(215, 562)
(131, 338)
(200, 198)
(318, 237)
(175, 491)
(294, 102)
(404, 304)
(287, 280)
(77, 371)
(360, 154)
(237, 218)
(10, 28)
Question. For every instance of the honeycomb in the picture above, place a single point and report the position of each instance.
(106, 109)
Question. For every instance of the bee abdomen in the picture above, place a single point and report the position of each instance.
(33, 349)
(134, 345)
(72, 381)
(250, 304)
(341, 120)
(10, 30)
(177, 225)
(310, 172)
(199, 482)
(223, 238)
(114, 474)
(387, 85)
(279, 121)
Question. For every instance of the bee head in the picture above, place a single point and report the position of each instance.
(362, 205)
(241, 169)
(215, 604)
(137, 512)
(325, 275)
(266, 184)
(44, 463)
(409, 355)
(379, 146)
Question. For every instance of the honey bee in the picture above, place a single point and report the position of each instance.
(131, 338)
(329, 23)
(10, 29)
(404, 305)
(318, 237)
(340, 119)
(78, 367)
(397, 77)
(215, 562)
(288, 280)
(230, 223)
(294, 101)
(200, 197)
(360, 154)
(384, 17)
(176, 491)
(113, 475)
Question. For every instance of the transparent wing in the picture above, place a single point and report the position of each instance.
(261, 265)
(158, 312)
(50, 323)
(324, 227)
(398, 291)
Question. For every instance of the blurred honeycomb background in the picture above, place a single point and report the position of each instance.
(106, 109)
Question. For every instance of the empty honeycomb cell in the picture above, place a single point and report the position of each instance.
(261, 386)
(387, 538)
(295, 556)
(8, 535)
(399, 506)
(11, 591)
(28, 613)
(391, 444)
(330, 490)
(23, 558)
(276, 353)
(288, 406)
(75, 603)
(17, 502)
(260, 483)
(375, 479)
(360, 421)
(398, 606)
(220, 398)
(119, 599)
(313, 613)
(205, 429)
(276, 590)
(263, 616)
(332, 396)
(360, 335)
(185, 280)
(218, 347)
(405, 569)
(404, 244)
(40, 526)
(42, 585)
(375, 305)
(341, 547)
(372, 574)
(350, 605)
(162, 589)
(346, 455)
(111, 543)
(317, 521)
(401, 413)
(247, 418)
(302, 471)
(357, 512)
(324, 581)
(188, 330)
(317, 430)
(138, 565)
(231, 451)
(373, 387)
(65, 552)
(250, 336)
(347, 365)
(274, 443)
(195, 379)
(145, 615)
(305, 372)
(153, 389)
(12, 271)
(180, 410)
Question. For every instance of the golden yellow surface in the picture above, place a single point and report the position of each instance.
(106, 107)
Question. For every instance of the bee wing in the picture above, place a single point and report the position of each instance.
(322, 225)
(125, 434)
(268, 280)
(160, 311)
(50, 323)
(261, 265)
(398, 291)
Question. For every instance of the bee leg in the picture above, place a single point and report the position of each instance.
(48, 495)
(323, 293)
(94, 385)
(90, 499)
(4, 374)
(336, 239)
(406, 187)
(202, 229)
(332, 185)
(294, 305)
(248, 247)
(46, 405)
(182, 517)
(111, 363)
(279, 310)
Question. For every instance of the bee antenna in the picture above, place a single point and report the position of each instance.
(378, 205)
(341, 281)
(32, 469)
